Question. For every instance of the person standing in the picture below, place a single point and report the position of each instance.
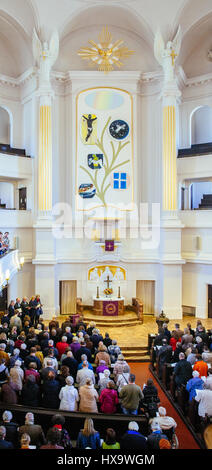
(130, 396)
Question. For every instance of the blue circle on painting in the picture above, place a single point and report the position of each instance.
(119, 129)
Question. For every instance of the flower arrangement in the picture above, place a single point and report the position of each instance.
(108, 291)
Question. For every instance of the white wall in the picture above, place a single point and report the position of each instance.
(202, 125)
(7, 194)
(4, 126)
(199, 189)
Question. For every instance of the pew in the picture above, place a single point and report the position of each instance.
(75, 420)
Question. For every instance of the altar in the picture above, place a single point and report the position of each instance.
(105, 306)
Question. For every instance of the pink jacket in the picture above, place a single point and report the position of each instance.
(109, 400)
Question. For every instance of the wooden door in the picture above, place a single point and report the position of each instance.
(145, 290)
(68, 297)
(22, 199)
(210, 301)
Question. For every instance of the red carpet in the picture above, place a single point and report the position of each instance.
(142, 373)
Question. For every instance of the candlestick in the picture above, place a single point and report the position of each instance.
(97, 295)
(119, 293)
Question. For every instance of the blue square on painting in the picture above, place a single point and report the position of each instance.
(116, 176)
(123, 185)
(116, 184)
(123, 176)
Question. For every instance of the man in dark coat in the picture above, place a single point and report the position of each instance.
(10, 426)
(164, 355)
(51, 389)
(182, 371)
(83, 350)
(35, 431)
(4, 444)
(71, 363)
(32, 358)
(11, 309)
(95, 338)
(133, 439)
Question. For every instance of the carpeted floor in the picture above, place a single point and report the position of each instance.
(142, 373)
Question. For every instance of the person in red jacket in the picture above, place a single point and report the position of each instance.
(109, 399)
(61, 346)
(201, 366)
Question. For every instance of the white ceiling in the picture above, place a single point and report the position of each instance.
(77, 21)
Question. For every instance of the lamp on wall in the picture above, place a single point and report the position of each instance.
(22, 261)
(7, 275)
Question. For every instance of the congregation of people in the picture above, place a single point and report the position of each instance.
(70, 368)
(189, 351)
(4, 243)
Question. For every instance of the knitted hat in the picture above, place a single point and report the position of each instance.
(164, 444)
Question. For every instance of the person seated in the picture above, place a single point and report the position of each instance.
(68, 396)
(30, 395)
(10, 426)
(35, 431)
(155, 440)
(58, 422)
(133, 439)
(196, 383)
(88, 397)
(166, 422)
(201, 366)
(25, 442)
(88, 436)
(3, 443)
(53, 438)
(110, 441)
(84, 373)
(102, 354)
(109, 399)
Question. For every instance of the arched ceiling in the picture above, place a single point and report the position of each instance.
(77, 21)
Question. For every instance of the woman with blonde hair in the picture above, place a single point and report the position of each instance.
(25, 441)
(88, 437)
(88, 398)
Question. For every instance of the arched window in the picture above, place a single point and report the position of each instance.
(201, 125)
(5, 127)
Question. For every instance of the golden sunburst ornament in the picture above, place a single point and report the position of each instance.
(104, 53)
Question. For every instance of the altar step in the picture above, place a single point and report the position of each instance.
(116, 321)
(135, 354)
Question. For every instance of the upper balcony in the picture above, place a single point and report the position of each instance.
(14, 163)
(9, 266)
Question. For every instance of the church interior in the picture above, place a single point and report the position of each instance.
(106, 184)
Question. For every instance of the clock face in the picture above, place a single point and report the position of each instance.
(119, 129)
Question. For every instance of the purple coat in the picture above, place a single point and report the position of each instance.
(100, 369)
(74, 347)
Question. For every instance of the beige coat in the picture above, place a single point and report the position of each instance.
(102, 356)
(17, 376)
(88, 399)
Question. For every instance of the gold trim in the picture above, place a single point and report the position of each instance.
(132, 148)
(169, 159)
(112, 268)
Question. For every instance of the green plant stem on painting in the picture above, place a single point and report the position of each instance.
(109, 167)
